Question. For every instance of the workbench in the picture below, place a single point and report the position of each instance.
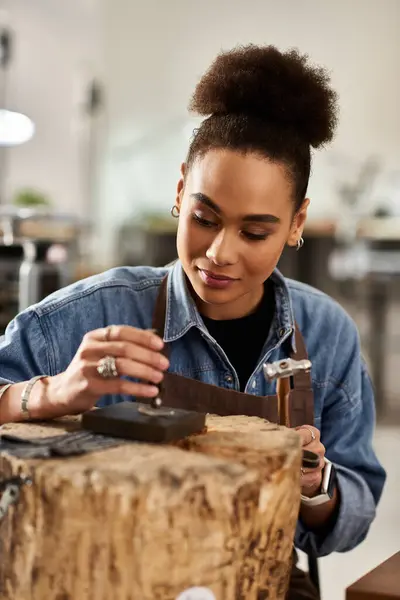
(143, 521)
(382, 583)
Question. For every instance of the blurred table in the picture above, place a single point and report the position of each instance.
(382, 228)
(383, 583)
(310, 265)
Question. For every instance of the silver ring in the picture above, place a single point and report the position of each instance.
(107, 367)
(313, 438)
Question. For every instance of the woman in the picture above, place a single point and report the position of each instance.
(223, 308)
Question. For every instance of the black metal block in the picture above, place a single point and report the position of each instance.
(125, 420)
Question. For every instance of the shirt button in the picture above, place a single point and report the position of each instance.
(254, 384)
(228, 378)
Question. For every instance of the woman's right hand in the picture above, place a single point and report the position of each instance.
(137, 354)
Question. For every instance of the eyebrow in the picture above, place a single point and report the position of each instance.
(267, 218)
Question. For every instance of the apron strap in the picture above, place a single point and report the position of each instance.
(160, 311)
(301, 381)
(302, 396)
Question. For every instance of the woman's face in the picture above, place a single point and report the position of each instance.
(236, 215)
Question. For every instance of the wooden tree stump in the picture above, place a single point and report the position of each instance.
(147, 522)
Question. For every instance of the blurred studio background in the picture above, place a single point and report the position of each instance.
(94, 127)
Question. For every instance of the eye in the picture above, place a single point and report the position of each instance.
(203, 222)
(255, 237)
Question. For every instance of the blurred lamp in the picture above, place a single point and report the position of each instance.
(15, 128)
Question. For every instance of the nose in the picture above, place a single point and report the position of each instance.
(222, 251)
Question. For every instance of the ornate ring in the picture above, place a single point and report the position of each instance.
(107, 367)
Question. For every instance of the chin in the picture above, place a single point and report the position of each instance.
(214, 297)
(211, 295)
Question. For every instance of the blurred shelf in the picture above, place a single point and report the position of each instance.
(387, 228)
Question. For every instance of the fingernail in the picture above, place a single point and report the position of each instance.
(164, 362)
(153, 391)
(157, 343)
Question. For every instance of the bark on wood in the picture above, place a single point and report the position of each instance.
(145, 522)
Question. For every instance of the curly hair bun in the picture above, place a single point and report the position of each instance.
(280, 88)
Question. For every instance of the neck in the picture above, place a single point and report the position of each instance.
(241, 307)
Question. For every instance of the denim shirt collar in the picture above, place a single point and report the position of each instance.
(182, 313)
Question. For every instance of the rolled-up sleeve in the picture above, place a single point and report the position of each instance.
(347, 428)
(24, 352)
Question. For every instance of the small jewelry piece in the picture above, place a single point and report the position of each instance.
(26, 394)
(313, 438)
(107, 367)
(302, 471)
(300, 243)
(175, 211)
(157, 402)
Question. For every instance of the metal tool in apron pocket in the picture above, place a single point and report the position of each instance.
(282, 371)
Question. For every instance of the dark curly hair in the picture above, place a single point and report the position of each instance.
(259, 99)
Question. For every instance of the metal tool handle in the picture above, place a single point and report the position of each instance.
(281, 371)
(282, 392)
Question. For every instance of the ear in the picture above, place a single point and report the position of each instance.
(180, 186)
(299, 220)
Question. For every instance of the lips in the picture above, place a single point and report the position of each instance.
(215, 280)
(216, 276)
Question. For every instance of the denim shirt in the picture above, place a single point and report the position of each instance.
(44, 338)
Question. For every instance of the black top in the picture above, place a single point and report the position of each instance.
(243, 339)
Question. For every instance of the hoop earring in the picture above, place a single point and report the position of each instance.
(300, 244)
(174, 211)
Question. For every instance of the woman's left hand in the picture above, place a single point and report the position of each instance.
(311, 479)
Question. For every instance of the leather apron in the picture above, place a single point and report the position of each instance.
(182, 392)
